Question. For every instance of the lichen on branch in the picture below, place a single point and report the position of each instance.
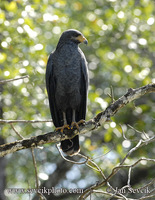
(101, 118)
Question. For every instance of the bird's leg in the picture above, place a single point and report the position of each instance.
(74, 123)
(65, 124)
(64, 117)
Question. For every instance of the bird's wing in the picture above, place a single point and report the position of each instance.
(50, 86)
(83, 90)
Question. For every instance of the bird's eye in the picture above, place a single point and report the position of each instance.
(77, 35)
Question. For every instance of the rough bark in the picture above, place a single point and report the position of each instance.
(57, 136)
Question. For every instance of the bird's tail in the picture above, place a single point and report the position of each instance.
(71, 147)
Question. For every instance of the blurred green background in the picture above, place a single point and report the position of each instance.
(120, 53)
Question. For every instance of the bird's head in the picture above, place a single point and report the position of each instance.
(73, 35)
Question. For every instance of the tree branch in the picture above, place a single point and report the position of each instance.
(4, 121)
(131, 95)
(88, 191)
(14, 79)
(53, 137)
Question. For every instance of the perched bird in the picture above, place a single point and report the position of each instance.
(67, 86)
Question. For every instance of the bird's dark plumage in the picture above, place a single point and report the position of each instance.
(67, 84)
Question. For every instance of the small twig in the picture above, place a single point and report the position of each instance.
(23, 121)
(146, 136)
(112, 94)
(89, 160)
(20, 136)
(35, 167)
(102, 155)
(129, 176)
(34, 163)
(14, 79)
(71, 161)
(123, 132)
(132, 150)
(107, 193)
(134, 164)
(152, 191)
(36, 174)
(148, 184)
(147, 197)
(42, 197)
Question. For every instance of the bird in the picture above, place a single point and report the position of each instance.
(67, 86)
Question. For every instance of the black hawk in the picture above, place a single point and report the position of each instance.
(67, 86)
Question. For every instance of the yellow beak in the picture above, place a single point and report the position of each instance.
(81, 39)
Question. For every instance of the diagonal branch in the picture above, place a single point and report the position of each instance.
(131, 95)
(53, 137)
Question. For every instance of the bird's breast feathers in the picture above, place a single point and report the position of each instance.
(67, 68)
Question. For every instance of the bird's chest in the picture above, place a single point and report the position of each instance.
(69, 78)
(68, 73)
(68, 64)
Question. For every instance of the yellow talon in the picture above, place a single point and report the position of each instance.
(62, 128)
(77, 124)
